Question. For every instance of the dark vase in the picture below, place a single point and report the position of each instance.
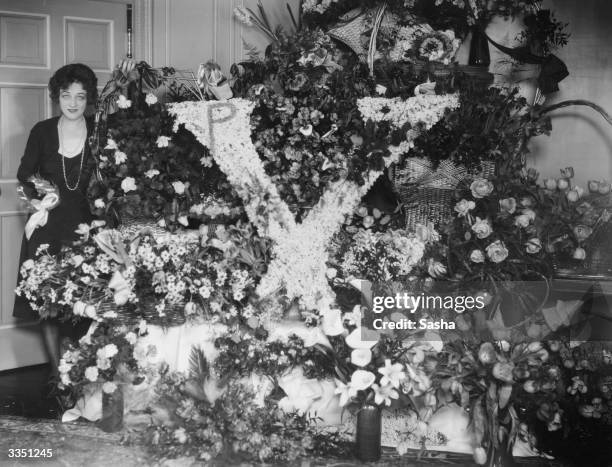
(369, 426)
(479, 48)
(112, 411)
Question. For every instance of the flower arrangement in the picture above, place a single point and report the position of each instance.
(147, 170)
(107, 276)
(107, 355)
(232, 425)
(574, 218)
(383, 256)
(496, 235)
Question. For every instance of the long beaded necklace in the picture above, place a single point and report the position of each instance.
(62, 149)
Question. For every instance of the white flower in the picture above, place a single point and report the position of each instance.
(481, 188)
(131, 338)
(151, 173)
(522, 220)
(362, 380)
(151, 99)
(354, 341)
(579, 253)
(477, 256)
(380, 89)
(180, 435)
(77, 260)
(383, 394)
(464, 206)
(482, 228)
(162, 141)
(99, 203)
(361, 357)
(91, 373)
(179, 187)
(497, 251)
(110, 144)
(128, 184)
(392, 373)
(120, 157)
(345, 391)
(109, 387)
(123, 102)
(79, 308)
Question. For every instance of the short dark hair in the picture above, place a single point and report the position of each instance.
(74, 73)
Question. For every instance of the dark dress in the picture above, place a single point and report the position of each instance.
(42, 157)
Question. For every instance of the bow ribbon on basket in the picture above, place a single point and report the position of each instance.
(41, 215)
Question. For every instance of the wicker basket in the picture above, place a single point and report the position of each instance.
(173, 314)
(427, 194)
(132, 226)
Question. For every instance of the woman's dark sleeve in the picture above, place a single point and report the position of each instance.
(30, 162)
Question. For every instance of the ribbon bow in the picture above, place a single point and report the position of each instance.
(39, 218)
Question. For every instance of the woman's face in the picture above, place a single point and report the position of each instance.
(73, 101)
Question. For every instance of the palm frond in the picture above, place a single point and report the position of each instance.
(198, 365)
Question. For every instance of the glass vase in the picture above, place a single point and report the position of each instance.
(369, 428)
(112, 411)
(479, 48)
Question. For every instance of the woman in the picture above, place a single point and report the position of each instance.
(57, 151)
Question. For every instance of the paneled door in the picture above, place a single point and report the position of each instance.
(36, 38)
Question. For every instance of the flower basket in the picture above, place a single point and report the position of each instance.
(173, 314)
(427, 193)
(131, 226)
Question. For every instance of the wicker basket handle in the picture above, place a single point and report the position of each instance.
(583, 102)
(380, 13)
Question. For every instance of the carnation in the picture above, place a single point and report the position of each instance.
(91, 373)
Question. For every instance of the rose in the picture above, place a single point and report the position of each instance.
(497, 251)
(482, 228)
(582, 232)
(507, 205)
(477, 256)
(128, 184)
(604, 188)
(464, 206)
(533, 246)
(427, 233)
(481, 188)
